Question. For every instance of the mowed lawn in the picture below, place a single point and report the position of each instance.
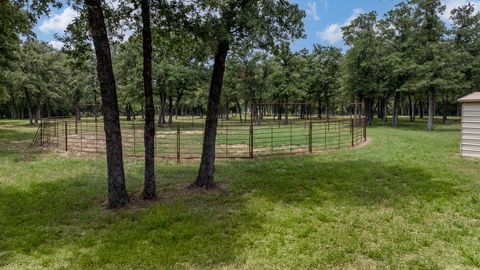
(406, 200)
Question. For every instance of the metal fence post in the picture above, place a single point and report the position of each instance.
(365, 130)
(96, 135)
(226, 142)
(310, 147)
(325, 129)
(57, 136)
(251, 141)
(339, 132)
(178, 144)
(291, 137)
(81, 137)
(134, 139)
(271, 138)
(41, 132)
(66, 136)
(352, 128)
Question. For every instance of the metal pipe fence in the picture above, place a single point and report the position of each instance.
(183, 141)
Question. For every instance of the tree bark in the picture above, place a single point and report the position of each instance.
(431, 108)
(149, 184)
(117, 193)
(396, 104)
(205, 174)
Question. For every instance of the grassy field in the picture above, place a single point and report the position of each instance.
(406, 200)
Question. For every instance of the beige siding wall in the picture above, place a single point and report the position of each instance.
(471, 130)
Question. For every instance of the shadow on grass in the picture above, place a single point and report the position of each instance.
(354, 182)
(452, 125)
(64, 220)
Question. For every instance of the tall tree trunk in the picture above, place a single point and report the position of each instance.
(117, 193)
(149, 184)
(396, 105)
(207, 165)
(431, 108)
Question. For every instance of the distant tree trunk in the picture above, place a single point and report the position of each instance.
(207, 164)
(38, 114)
(29, 106)
(286, 111)
(227, 115)
(280, 112)
(420, 109)
(445, 109)
(239, 109)
(414, 110)
(319, 108)
(128, 112)
(246, 110)
(117, 193)
(177, 102)
(384, 110)
(163, 102)
(411, 109)
(396, 105)
(170, 110)
(431, 107)
(149, 184)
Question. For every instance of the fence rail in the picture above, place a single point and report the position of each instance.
(183, 141)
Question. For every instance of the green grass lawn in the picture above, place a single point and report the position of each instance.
(406, 200)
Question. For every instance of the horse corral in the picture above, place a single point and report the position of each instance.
(184, 141)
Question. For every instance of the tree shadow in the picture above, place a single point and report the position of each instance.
(353, 182)
(63, 221)
(451, 125)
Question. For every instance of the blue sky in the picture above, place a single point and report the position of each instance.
(322, 23)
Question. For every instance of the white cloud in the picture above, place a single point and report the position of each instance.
(333, 32)
(58, 22)
(312, 11)
(56, 44)
(452, 4)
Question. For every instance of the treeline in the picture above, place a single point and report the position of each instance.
(213, 57)
(408, 62)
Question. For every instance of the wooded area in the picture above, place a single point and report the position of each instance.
(216, 57)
